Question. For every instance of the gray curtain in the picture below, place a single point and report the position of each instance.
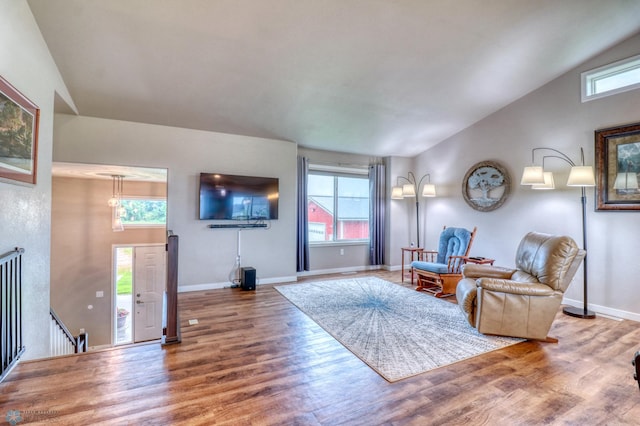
(377, 198)
(302, 234)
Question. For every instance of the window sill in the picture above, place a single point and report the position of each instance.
(339, 243)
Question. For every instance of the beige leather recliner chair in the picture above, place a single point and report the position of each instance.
(521, 302)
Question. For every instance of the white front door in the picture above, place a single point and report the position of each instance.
(148, 290)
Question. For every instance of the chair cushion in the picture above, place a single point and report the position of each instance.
(453, 242)
(436, 268)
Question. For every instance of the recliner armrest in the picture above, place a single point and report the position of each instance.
(514, 287)
(471, 270)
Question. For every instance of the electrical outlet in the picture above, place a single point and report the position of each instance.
(341, 252)
(99, 293)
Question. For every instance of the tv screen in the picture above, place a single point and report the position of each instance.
(231, 197)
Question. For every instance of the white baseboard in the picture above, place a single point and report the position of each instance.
(277, 280)
(339, 270)
(227, 284)
(604, 310)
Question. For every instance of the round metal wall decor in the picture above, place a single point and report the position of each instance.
(486, 186)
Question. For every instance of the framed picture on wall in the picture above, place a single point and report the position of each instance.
(486, 186)
(19, 119)
(617, 152)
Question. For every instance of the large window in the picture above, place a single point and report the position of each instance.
(610, 79)
(338, 207)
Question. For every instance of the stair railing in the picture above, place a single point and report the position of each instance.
(62, 341)
(11, 343)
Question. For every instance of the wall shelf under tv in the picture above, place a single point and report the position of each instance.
(237, 225)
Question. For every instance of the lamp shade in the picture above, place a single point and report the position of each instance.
(396, 193)
(548, 182)
(626, 181)
(429, 190)
(532, 175)
(581, 176)
(408, 190)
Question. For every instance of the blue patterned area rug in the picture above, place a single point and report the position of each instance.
(397, 331)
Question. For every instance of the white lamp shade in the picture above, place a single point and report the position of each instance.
(429, 190)
(408, 190)
(396, 193)
(532, 175)
(626, 181)
(548, 182)
(581, 176)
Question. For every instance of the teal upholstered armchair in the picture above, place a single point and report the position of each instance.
(439, 271)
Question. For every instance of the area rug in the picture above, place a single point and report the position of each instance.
(397, 331)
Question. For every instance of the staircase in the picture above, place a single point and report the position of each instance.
(62, 342)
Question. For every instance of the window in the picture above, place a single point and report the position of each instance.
(143, 211)
(610, 79)
(338, 207)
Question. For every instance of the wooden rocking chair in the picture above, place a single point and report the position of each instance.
(440, 273)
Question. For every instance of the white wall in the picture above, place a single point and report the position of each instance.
(207, 256)
(401, 220)
(25, 213)
(552, 116)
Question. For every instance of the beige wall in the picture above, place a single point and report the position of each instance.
(81, 251)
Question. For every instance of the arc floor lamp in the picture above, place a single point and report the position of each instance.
(581, 176)
(411, 189)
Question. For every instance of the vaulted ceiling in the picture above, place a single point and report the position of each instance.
(376, 77)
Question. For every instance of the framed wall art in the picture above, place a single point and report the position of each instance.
(19, 119)
(617, 152)
(486, 186)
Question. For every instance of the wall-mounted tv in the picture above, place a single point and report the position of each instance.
(231, 197)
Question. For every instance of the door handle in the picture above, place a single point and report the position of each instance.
(139, 302)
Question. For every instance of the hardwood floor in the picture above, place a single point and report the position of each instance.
(255, 359)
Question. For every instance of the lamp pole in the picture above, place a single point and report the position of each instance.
(582, 181)
(572, 310)
(411, 189)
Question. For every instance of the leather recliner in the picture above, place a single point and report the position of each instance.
(520, 302)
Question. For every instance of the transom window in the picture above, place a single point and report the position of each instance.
(143, 211)
(610, 79)
(337, 206)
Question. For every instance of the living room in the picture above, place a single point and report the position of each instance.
(547, 115)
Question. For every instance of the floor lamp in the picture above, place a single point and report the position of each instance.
(581, 176)
(411, 190)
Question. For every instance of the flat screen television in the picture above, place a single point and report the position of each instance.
(231, 197)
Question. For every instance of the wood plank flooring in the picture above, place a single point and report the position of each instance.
(255, 359)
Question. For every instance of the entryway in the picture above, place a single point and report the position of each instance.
(139, 284)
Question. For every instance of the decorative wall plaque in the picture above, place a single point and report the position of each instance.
(486, 186)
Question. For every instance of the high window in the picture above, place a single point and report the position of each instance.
(338, 206)
(610, 79)
(143, 211)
